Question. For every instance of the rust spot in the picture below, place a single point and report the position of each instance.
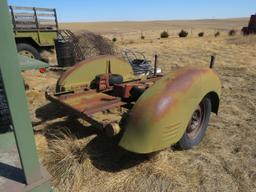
(164, 101)
(181, 83)
(184, 79)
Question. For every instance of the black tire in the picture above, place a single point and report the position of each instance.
(28, 50)
(5, 118)
(136, 92)
(115, 79)
(197, 125)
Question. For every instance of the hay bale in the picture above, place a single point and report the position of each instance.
(201, 34)
(93, 44)
(183, 33)
(232, 32)
(217, 34)
(164, 34)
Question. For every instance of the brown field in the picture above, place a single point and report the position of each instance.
(128, 26)
(79, 160)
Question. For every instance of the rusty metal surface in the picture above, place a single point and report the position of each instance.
(87, 103)
(161, 115)
(160, 112)
(195, 124)
(92, 103)
(85, 72)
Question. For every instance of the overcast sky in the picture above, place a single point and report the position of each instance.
(120, 10)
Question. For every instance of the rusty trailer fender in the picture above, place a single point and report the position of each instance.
(160, 116)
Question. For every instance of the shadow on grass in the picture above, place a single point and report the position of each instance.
(48, 112)
(103, 152)
(106, 155)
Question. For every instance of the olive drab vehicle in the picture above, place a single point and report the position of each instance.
(161, 109)
(34, 28)
(37, 29)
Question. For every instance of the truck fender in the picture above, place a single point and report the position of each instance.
(162, 113)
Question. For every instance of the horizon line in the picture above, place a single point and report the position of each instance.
(152, 20)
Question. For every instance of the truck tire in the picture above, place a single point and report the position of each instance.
(197, 125)
(5, 118)
(115, 79)
(28, 50)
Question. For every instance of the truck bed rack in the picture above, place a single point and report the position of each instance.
(33, 19)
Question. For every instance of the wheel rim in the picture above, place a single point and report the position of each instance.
(196, 122)
(27, 54)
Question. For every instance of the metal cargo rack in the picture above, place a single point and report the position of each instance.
(32, 18)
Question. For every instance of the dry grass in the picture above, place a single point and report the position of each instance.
(80, 160)
(65, 159)
(124, 27)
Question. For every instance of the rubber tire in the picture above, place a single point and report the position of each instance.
(5, 118)
(30, 48)
(136, 92)
(187, 143)
(115, 79)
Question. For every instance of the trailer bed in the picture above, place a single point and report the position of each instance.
(87, 103)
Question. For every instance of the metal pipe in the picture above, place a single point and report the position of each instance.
(37, 25)
(56, 19)
(108, 67)
(212, 61)
(155, 65)
(13, 18)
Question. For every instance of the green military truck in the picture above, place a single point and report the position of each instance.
(35, 29)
